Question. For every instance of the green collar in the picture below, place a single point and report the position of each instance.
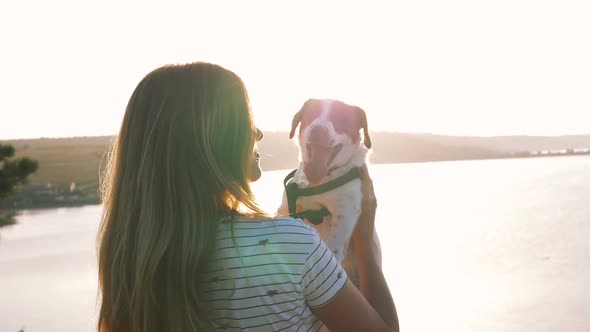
(294, 192)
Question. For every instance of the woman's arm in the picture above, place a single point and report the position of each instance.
(350, 310)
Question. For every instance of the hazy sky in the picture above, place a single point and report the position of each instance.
(454, 67)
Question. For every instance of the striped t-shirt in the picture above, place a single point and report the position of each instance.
(267, 276)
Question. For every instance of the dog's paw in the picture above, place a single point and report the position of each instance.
(339, 254)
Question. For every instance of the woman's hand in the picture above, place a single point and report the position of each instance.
(365, 227)
(371, 308)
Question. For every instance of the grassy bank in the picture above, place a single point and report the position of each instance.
(65, 160)
(7, 218)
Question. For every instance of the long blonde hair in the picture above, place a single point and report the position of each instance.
(178, 166)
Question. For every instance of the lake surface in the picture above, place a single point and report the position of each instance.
(496, 245)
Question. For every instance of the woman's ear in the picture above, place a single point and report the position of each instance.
(364, 126)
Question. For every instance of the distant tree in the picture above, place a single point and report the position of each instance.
(12, 174)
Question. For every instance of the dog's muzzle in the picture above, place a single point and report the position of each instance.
(320, 159)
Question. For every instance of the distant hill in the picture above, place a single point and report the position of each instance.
(511, 144)
(77, 159)
(391, 147)
(64, 160)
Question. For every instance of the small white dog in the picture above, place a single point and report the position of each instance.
(325, 189)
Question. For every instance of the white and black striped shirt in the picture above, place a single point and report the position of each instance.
(267, 275)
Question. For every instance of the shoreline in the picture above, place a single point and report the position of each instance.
(7, 213)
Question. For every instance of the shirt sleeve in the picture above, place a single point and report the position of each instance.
(323, 276)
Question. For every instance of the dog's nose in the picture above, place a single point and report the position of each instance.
(319, 135)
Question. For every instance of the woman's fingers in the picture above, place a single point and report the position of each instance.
(366, 223)
(368, 191)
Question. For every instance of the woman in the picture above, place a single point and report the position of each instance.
(183, 246)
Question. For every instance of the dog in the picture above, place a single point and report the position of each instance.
(330, 149)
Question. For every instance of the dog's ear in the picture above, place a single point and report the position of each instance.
(297, 119)
(364, 125)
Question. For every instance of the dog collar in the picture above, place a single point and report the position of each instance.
(294, 192)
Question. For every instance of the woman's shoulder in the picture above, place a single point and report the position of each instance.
(280, 224)
(279, 235)
(277, 220)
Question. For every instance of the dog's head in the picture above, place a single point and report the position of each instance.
(329, 135)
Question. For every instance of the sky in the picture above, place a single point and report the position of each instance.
(68, 68)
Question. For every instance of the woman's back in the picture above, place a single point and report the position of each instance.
(183, 159)
(266, 275)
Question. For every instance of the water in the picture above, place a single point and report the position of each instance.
(497, 245)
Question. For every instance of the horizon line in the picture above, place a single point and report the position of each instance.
(286, 131)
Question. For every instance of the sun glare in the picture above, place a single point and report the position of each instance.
(436, 67)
